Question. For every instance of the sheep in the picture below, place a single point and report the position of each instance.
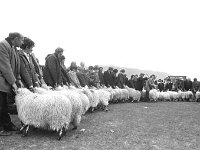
(104, 98)
(84, 99)
(96, 99)
(153, 95)
(182, 95)
(143, 94)
(164, 96)
(48, 111)
(117, 95)
(124, 95)
(189, 95)
(110, 90)
(76, 105)
(90, 96)
(197, 96)
(173, 95)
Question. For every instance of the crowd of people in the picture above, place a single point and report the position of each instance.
(19, 67)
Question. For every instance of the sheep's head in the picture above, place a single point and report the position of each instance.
(23, 91)
(44, 86)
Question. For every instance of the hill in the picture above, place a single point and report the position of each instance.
(130, 71)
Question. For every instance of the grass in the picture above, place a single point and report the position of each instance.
(137, 126)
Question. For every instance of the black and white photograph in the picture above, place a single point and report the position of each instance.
(99, 75)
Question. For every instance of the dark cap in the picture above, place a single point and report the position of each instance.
(141, 74)
(58, 50)
(96, 67)
(122, 70)
(13, 35)
(90, 67)
(110, 68)
(115, 70)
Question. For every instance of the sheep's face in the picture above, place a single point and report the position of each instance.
(23, 91)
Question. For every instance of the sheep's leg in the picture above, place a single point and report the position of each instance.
(76, 122)
(22, 128)
(26, 131)
(106, 108)
(60, 134)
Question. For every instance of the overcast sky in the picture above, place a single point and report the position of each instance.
(159, 35)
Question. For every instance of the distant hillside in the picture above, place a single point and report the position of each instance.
(130, 71)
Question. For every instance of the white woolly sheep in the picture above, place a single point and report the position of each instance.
(189, 96)
(164, 96)
(153, 95)
(197, 96)
(48, 111)
(104, 98)
(75, 102)
(174, 96)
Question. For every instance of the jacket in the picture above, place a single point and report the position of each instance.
(27, 71)
(9, 66)
(52, 71)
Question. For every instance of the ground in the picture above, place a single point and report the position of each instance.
(136, 126)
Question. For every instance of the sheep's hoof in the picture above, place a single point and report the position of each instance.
(22, 129)
(59, 138)
(26, 131)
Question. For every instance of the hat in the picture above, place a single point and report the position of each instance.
(100, 67)
(110, 68)
(59, 50)
(141, 74)
(96, 67)
(122, 70)
(115, 70)
(13, 35)
(90, 67)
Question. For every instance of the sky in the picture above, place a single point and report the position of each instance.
(158, 35)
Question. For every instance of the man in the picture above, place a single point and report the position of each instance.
(107, 76)
(140, 82)
(9, 78)
(121, 79)
(52, 70)
(64, 71)
(101, 76)
(150, 84)
(113, 80)
(195, 86)
(168, 85)
(187, 84)
(161, 85)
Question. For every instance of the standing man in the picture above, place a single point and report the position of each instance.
(150, 84)
(52, 70)
(101, 76)
(9, 78)
(140, 82)
(121, 79)
(107, 76)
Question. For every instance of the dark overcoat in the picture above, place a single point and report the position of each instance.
(27, 71)
(9, 66)
(52, 71)
(120, 80)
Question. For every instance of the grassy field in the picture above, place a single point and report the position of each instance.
(137, 126)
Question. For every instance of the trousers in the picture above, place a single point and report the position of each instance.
(5, 119)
